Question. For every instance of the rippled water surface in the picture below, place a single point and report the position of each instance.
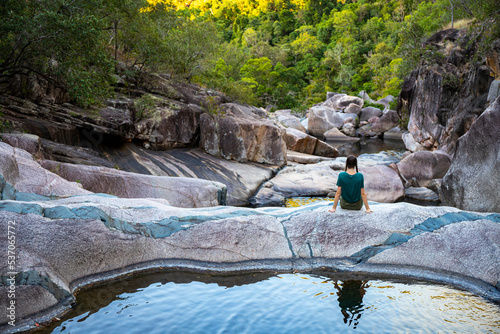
(285, 303)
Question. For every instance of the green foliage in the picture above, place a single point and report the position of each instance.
(288, 53)
(145, 107)
(374, 105)
(5, 125)
(58, 41)
(299, 111)
(212, 106)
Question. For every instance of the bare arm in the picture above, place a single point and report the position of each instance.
(365, 201)
(336, 200)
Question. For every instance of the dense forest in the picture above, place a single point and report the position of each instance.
(284, 53)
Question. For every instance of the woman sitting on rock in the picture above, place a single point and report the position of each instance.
(351, 188)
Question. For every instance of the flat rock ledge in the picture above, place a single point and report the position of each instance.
(66, 244)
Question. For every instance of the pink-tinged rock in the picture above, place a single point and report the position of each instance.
(421, 167)
(300, 142)
(178, 191)
(22, 172)
(243, 133)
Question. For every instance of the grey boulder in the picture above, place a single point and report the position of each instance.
(322, 119)
(472, 180)
(419, 168)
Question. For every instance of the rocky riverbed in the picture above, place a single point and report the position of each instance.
(93, 198)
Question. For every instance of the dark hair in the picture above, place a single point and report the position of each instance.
(351, 162)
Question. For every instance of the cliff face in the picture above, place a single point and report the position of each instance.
(444, 99)
(156, 113)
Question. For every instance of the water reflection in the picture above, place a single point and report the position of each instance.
(350, 296)
(367, 146)
(176, 302)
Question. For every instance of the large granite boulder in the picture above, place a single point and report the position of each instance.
(353, 108)
(410, 143)
(288, 120)
(243, 133)
(300, 142)
(419, 168)
(369, 112)
(335, 134)
(171, 126)
(322, 119)
(342, 101)
(386, 122)
(21, 177)
(382, 183)
(348, 129)
(65, 245)
(366, 131)
(178, 191)
(386, 101)
(471, 182)
(349, 118)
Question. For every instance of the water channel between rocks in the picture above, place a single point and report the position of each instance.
(368, 146)
(177, 302)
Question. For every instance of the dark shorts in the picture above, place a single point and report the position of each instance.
(351, 206)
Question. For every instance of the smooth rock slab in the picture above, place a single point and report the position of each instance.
(241, 179)
(344, 233)
(178, 191)
(322, 119)
(63, 254)
(24, 175)
(469, 248)
(302, 158)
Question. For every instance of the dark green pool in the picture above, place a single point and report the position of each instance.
(284, 303)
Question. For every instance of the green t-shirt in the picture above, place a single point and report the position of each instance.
(351, 186)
